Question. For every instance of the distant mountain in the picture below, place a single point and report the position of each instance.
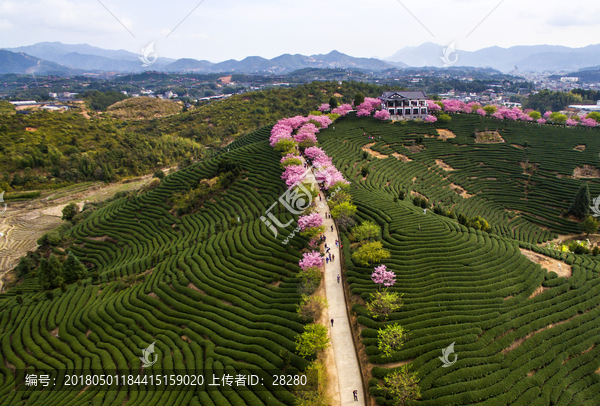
(87, 57)
(283, 64)
(535, 58)
(19, 62)
(189, 65)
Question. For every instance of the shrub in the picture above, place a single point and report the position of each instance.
(370, 253)
(159, 174)
(382, 304)
(402, 385)
(365, 231)
(391, 338)
(69, 211)
(313, 340)
(311, 307)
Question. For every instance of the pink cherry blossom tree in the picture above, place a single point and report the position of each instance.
(382, 115)
(382, 276)
(481, 112)
(293, 174)
(430, 119)
(313, 152)
(324, 107)
(311, 260)
(310, 221)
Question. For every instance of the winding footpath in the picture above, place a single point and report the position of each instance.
(348, 371)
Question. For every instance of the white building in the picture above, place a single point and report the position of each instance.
(405, 105)
(586, 107)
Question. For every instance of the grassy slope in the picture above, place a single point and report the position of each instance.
(474, 288)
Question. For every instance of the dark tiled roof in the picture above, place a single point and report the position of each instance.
(418, 94)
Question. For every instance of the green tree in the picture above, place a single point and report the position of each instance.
(159, 174)
(383, 303)
(594, 115)
(359, 99)
(536, 115)
(285, 146)
(391, 338)
(581, 204)
(73, 269)
(370, 253)
(69, 211)
(478, 223)
(345, 209)
(365, 231)
(313, 340)
(490, 109)
(558, 118)
(402, 385)
(589, 225)
(444, 118)
(333, 102)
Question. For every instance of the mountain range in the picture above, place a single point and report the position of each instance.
(531, 58)
(65, 59)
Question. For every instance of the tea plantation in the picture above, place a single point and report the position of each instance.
(523, 336)
(217, 293)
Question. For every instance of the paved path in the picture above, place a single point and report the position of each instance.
(349, 378)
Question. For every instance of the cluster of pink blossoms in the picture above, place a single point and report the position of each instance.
(311, 260)
(324, 107)
(382, 276)
(293, 174)
(430, 119)
(310, 221)
(343, 109)
(325, 171)
(382, 115)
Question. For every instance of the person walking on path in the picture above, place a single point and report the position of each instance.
(338, 278)
(327, 260)
(332, 228)
(331, 322)
(355, 393)
(332, 257)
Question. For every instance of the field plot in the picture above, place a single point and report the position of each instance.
(215, 291)
(523, 335)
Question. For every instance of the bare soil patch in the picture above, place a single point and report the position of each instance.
(413, 193)
(588, 171)
(30, 129)
(517, 146)
(459, 190)
(445, 134)
(194, 287)
(401, 157)
(528, 169)
(444, 165)
(551, 264)
(376, 154)
(538, 291)
(580, 148)
(488, 137)
(415, 149)
(338, 95)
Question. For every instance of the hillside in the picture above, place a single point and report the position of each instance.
(143, 108)
(216, 290)
(522, 335)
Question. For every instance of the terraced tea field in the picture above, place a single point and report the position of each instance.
(215, 291)
(521, 336)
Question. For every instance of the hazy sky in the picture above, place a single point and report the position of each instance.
(217, 30)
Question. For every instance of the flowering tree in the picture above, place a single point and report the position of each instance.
(293, 174)
(481, 112)
(382, 276)
(322, 161)
(433, 106)
(382, 115)
(571, 123)
(547, 114)
(342, 110)
(324, 107)
(323, 120)
(311, 260)
(313, 152)
(430, 119)
(363, 113)
(542, 121)
(290, 159)
(312, 220)
(588, 122)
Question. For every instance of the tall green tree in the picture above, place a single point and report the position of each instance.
(359, 98)
(333, 102)
(402, 385)
(74, 269)
(581, 204)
